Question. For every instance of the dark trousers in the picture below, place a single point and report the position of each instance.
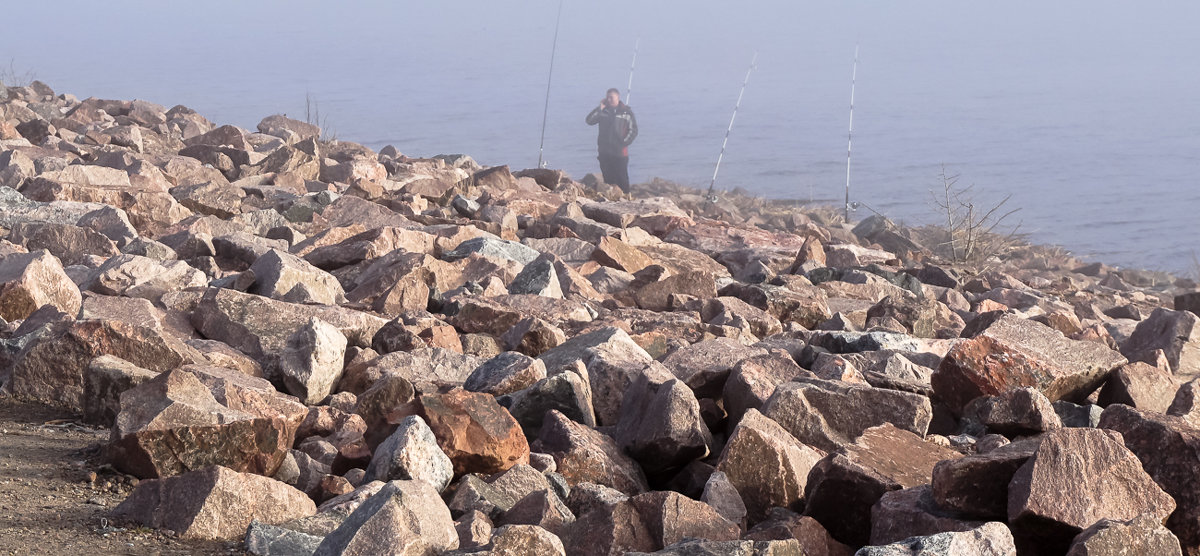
(616, 170)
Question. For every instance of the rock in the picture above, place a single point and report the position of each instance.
(1013, 352)
(104, 380)
(404, 517)
(656, 296)
(1020, 411)
(783, 524)
(753, 381)
(474, 494)
(977, 485)
(614, 253)
(533, 337)
(213, 503)
(584, 455)
(269, 540)
(474, 530)
(912, 512)
(731, 311)
(260, 327)
(657, 215)
(830, 414)
(843, 486)
(660, 425)
(566, 392)
(506, 373)
(412, 452)
(537, 278)
(920, 317)
(1075, 478)
(705, 366)
(172, 424)
(1073, 415)
(647, 523)
(990, 539)
(1185, 402)
(1140, 535)
(767, 465)
(1175, 333)
(518, 540)
(30, 280)
(476, 433)
(286, 277)
(495, 248)
(1168, 449)
(807, 307)
(50, 367)
(542, 508)
(723, 496)
(613, 362)
(1140, 385)
(287, 128)
(70, 244)
(134, 276)
(312, 361)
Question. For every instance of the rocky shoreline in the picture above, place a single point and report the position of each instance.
(314, 348)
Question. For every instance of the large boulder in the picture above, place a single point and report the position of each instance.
(404, 517)
(1140, 385)
(1014, 352)
(828, 414)
(1075, 478)
(213, 503)
(844, 486)
(412, 452)
(313, 361)
(1141, 535)
(990, 539)
(478, 434)
(767, 465)
(1169, 450)
(286, 277)
(661, 426)
(584, 455)
(136, 276)
(70, 244)
(50, 368)
(30, 280)
(613, 362)
(172, 424)
(705, 366)
(977, 485)
(1175, 333)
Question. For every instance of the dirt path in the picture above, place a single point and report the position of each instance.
(55, 491)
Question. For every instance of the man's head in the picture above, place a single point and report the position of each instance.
(613, 97)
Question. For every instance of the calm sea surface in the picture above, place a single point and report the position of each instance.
(1086, 113)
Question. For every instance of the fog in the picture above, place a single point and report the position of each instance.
(1085, 112)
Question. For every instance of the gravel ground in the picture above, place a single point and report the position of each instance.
(55, 491)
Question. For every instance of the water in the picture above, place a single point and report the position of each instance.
(1085, 113)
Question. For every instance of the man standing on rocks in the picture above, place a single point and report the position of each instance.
(618, 128)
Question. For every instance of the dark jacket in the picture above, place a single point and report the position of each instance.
(618, 128)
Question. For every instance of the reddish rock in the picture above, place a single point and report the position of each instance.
(213, 503)
(613, 362)
(30, 280)
(476, 433)
(706, 365)
(506, 373)
(843, 486)
(584, 455)
(533, 337)
(1174, 332)
(660, 425)
(782, 524)
(617, 254)
(104, 380)
(1169, 450)
(977, 485)
(656, 296)
(70, 244)
(753, 380)
(647, 523)
(829, 414)
(1075, 478)
(807, 307)
(911, 512)
(50, 369)
(542, 508)
(1012, 353)
(1020, 411)
(767, 465)
(1140, 385)
(172, 424)
(519, 540)
(731, 311)
(134, 276)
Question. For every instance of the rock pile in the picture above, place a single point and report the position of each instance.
(324, 349)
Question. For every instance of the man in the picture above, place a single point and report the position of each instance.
(618, 129)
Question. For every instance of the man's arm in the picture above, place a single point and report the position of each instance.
(593, 117)
(633, 131)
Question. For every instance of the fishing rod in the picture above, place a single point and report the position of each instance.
(549, 78)
(633, 64)
(850, 133)
(710, 197)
